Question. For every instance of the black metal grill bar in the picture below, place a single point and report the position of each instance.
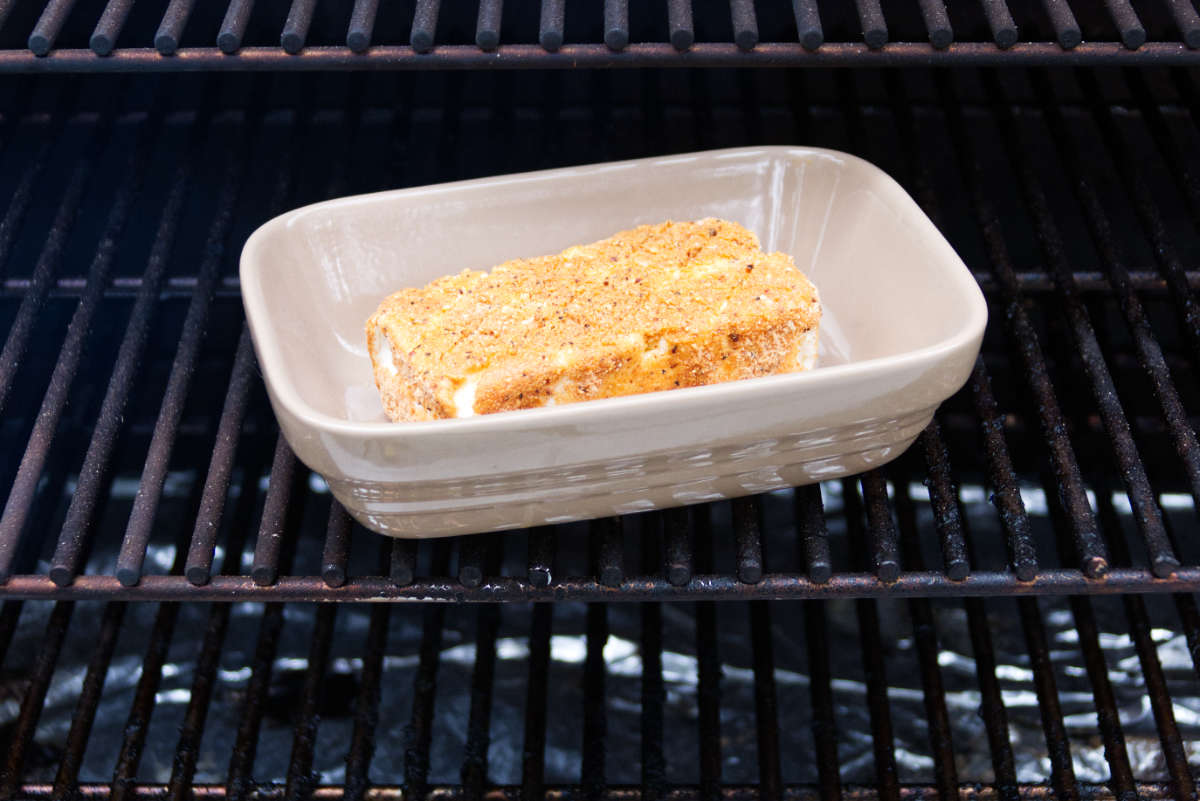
(73, 537)
(677, 546)
(880, 554)
(419, 734)
(708, 677)
(703, 586)
(22, 193)
(295, 29)
(824, 723)
(745, 23)
(937, 22)
(48, 26)
(34, 699)
(241, 762)
(1170, 263)
(941, 742)
(17, 338)
(808, 24)
(1149, 352)
(1152, 670)
(679, 24)
(366, 706)
(424, 25)
(1024, 338)
(1141, 495)
(475, 755)
(300, 778)
(220, 469)
(137, 724)
(1087, 282)
(108, 27)
(540, 569)
(606, 537)
(616, 24)
(476, 584)
(885, 546)
(20, 497)
(1062, 772)
(874, 26)
(533, 758)
(1126, 30)
(1121, 787)
(141, 519)
(814, 536)
(273, 530)
(766, 705)
(1000, 22)
(748, 540)
(516, 56)
(595, 718)
(89, 701)
(1151, 791)
(991, 708)
(337, 546)
(19, 333)
(550, 27)
(362, 25)
(233, 27)
(944, 500)
(653, 698)
(472, 555)
(1115, 752)
(10, 613)
(1133, 35)
(403, 565)
(487, 25)
(187, 751)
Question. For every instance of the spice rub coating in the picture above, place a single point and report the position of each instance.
(676, 304)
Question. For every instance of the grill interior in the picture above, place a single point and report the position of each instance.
(137, 440)
(805, 700)
(139, 461)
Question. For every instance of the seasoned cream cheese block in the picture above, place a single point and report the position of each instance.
(677, 304)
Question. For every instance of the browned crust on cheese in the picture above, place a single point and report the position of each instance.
(657, 307)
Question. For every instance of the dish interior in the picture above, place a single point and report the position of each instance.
(325, 268)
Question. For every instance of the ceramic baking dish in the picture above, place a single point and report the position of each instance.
(903, 320)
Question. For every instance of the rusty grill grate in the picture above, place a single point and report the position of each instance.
(976, 699)
(139, 461)
(137, 444)
(119, 35)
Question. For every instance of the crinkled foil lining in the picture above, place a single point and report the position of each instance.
(623, 658)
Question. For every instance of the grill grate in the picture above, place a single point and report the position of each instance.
(331, 701)
(136, 434)
(117, 35)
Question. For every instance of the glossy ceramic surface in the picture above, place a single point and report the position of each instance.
(903, 320)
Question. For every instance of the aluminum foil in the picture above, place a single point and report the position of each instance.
(623, 687)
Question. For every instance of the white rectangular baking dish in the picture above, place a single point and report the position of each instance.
(903, 321)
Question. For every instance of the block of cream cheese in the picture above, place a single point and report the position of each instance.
(677, 304)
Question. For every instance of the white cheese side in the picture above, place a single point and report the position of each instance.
(383, 352)
(806, 354)
(464, 397)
